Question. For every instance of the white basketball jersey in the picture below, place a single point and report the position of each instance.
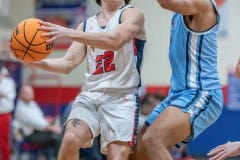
(118, 69)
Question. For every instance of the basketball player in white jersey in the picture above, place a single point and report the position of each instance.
(113, 42)
(195, 97)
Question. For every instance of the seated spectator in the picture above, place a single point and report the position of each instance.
(30, 120)
(148, 103)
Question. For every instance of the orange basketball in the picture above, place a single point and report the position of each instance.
(27, 44)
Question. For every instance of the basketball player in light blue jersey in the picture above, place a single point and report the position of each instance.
(195, 98)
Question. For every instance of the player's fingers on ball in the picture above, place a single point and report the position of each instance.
(51, 40)
(45, 23)
(49, 34)
(46, 28)
(51, 24)
(40, 21)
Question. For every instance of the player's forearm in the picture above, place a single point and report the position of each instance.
(106, 41)
(54, 65)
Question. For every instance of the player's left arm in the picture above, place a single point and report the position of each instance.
(132, 26)
(238, 69)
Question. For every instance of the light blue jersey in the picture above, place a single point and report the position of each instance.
(195, 86)
(193, 56)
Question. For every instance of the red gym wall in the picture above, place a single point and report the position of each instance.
(64, 95)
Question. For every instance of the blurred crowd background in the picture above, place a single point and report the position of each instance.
(38, 102)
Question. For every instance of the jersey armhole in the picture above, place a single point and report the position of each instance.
(215, 10)
(207, 30)
(120, 17)
(84, 25)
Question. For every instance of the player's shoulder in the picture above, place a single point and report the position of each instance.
(132, 12)
(81, 26)
(206, 6)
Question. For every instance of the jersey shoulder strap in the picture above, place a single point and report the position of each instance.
(122, 9)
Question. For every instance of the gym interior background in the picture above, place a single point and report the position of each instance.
(55, 91)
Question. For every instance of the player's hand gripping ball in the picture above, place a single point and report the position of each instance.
(27, 44)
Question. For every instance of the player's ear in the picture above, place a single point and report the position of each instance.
(98, 2)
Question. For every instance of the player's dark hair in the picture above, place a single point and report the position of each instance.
(99, 2)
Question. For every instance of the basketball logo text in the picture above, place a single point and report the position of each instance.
(16, 30)
(49, 46)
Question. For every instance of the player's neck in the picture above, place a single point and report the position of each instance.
(110, 8)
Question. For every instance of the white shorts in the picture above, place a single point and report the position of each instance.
(112, 114)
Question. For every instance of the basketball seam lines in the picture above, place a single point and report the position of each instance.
(24, 33)
(24, 29)
(29, 44)
(38, 44)
(26, 47)
(23, 52)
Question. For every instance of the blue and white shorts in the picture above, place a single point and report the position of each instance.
(204, 108)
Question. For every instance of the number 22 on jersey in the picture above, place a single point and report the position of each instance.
(104, 63)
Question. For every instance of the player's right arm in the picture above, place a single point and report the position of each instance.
(238, 69)
(199, 15)
(186, 7)
(74, 56)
